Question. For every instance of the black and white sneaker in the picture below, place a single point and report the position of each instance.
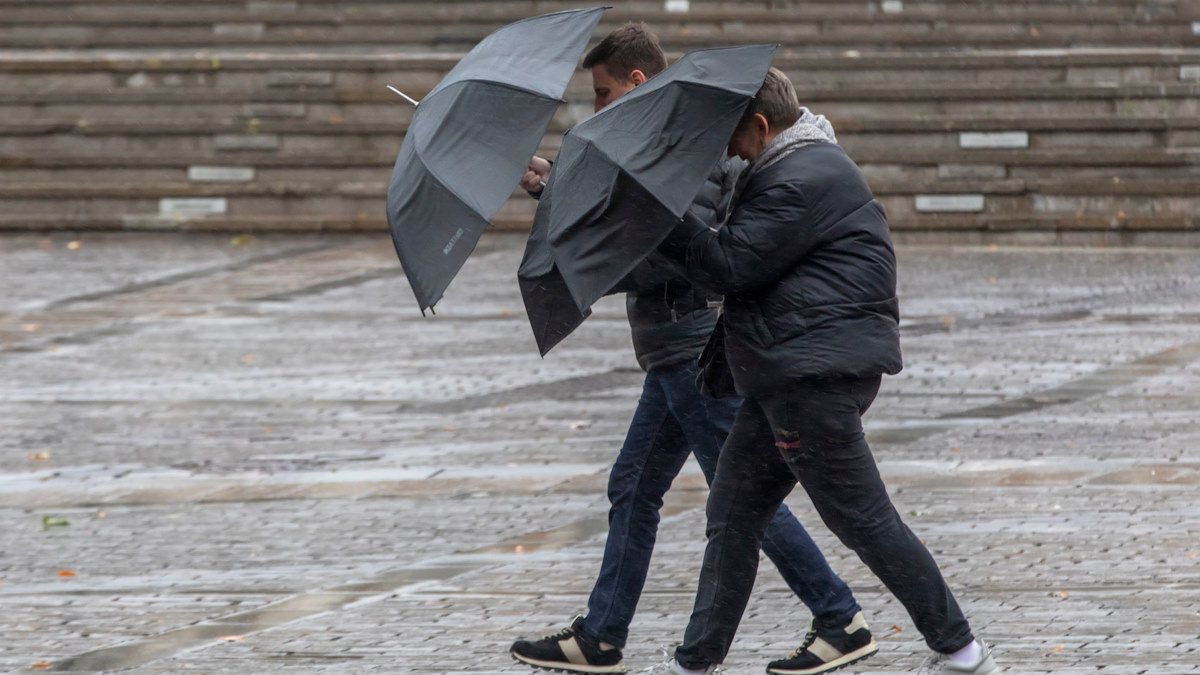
(570, 651)
(824, 650)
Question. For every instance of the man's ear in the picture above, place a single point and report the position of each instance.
(638, 77)
(761, 124)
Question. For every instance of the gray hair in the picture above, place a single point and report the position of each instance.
(776, 101)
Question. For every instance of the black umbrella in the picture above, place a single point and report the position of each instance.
(470, 141)
(626, 176)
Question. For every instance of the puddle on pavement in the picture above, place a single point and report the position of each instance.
(130, 655)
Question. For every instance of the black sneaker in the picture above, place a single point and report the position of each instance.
(570, 651)
(824, 650)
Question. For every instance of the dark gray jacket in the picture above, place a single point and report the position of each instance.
(671, 317)
(806, 265)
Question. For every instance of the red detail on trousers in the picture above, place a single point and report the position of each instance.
(792, 445)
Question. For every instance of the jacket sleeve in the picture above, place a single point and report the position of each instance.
(766, 235)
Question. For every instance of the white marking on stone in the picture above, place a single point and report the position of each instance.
(246, 141)
(221, 174)
(192, 206)
(1189, 72)
(950, 203)
(892, 6)
(677, 5)
(994, 139)
(267, 6)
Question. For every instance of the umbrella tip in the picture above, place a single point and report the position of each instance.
(404, 95)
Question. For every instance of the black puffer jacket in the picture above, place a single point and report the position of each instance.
(807, 268)
(671, 317)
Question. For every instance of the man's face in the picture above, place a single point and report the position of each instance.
(749, 139)
(607, 88)
(743, 144)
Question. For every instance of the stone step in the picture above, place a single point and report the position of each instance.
(354, 57)
(334, 154)
(376, 189)
(132, 12)
(99, 78)
(266, 101)
(493, 14)
(959, 228)
(908, 203)
(795, 35)
(972, 131)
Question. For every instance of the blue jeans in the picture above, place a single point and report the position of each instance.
(674, 420)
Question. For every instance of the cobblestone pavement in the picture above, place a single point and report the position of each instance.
(270, 462)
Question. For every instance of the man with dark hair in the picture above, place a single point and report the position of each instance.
(806, 265)
(671, 320)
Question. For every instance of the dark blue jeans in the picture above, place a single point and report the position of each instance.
(811, 434)
(673, 420)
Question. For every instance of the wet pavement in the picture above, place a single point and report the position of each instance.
(270, 462)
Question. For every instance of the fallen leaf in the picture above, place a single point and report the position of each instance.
(896, 629)
(100, 514)
(955, 449)
(1193, 555)
(249, 358)
(53, 521)
(30, 327)
(42, 665)
(519, 548)
(39, 456)
(232, 638)
(581, 424)
(1056, 649)
(1063, 594)
(241, 240)
(948, 320)
(74, 245)
(66, 573)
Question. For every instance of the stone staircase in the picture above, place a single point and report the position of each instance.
(979, 122)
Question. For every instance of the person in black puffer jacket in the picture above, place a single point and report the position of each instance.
(671, 320)
(806, 265)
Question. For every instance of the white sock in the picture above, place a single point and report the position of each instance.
(689, 671)
(967, 656)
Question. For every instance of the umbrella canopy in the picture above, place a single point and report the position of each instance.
(470, 141)
(549, 305)
(626, 176)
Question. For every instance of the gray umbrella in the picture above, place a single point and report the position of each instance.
(470, 141)
(626, 176)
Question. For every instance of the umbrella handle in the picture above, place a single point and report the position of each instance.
(406, 96)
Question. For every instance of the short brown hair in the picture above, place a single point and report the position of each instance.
(632, 47)
(776, 101)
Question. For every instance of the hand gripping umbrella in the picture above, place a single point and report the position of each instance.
(625, 177)
(470, 141)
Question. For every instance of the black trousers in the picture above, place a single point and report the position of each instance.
(811, 434)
